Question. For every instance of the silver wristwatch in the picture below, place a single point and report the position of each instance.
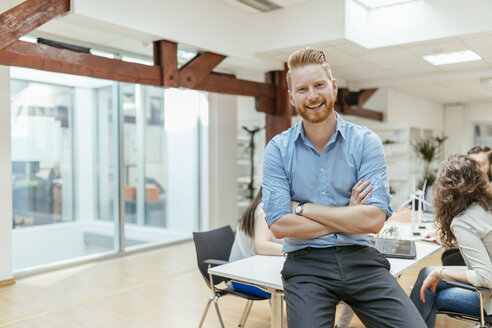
(299, 208)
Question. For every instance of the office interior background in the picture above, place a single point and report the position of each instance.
(70, 143)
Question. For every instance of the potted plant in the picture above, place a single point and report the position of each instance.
(428, 150)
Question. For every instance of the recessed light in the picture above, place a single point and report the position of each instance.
(373, 4)
(452, 57)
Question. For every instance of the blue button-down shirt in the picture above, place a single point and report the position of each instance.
(294, 170)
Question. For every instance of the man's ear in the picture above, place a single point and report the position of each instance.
(291, 98)
(335, 89)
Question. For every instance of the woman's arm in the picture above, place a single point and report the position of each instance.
(263, 242)
(442, 273)
(474, 251)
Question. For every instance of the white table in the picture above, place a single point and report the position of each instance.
(264, 272)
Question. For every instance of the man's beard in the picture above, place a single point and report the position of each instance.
(316, 117)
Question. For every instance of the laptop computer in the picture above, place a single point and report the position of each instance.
(396, 248)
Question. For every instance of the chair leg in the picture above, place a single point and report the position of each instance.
(216, 299)
(245, 315)
(205, 312)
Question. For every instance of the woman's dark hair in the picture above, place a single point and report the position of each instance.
(460, 183)
(247, 222)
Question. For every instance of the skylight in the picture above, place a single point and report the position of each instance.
(373, 4)
(452, 57)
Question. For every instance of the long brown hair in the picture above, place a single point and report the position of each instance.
(247, 222)
(460, 183)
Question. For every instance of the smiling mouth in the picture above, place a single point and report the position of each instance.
(314, 107)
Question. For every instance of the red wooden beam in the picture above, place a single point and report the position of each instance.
(280, 120)
(44, 57)
(166, 58)
(342, 107)
(198, 69)
(27, 16)
(230, 85)
(164, 73)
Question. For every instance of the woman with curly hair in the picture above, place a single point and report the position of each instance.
(463, 214)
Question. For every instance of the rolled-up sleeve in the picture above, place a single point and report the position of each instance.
(276, 190)
(373, 167)
(475, 253)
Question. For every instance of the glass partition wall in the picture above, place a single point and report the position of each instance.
(100, 167)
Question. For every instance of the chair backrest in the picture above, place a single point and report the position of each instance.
(213, 244)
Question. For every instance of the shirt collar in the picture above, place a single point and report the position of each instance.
(340, 129)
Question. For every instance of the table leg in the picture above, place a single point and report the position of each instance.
(276, 310)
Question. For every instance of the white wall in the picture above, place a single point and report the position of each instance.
(459, 122)
(455, 129)
(6, 177)
(417, 112)
(222, 161)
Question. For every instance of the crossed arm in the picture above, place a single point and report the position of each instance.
(319, 220)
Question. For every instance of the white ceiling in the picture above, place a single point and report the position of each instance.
(400, 66)
(403, 68)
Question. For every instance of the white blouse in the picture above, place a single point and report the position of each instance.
(473, 232)
(244, 246)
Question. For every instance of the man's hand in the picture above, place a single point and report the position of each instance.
(360, 192)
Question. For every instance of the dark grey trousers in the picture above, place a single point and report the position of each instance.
(316, 279)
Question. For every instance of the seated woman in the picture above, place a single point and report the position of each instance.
(463, 213)
(254, 237)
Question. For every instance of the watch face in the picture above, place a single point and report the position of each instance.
(298, 209)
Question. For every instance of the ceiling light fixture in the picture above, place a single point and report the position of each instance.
(452, 57)
(373, 4)
(261, 5)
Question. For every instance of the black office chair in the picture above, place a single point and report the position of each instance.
(483, 320)
(451, 257)
(213, 248)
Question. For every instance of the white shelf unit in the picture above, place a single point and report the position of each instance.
(402, 161)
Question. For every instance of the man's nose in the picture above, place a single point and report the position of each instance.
(312, 93)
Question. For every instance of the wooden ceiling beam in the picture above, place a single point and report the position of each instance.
(166, 58)
(198, 69)
(363, 96)
(230, 85)
(44, 57)
(164, 73)
(280, 119)
(28, 16)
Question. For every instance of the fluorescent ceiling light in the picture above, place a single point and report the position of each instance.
(373, 4)
(452, 57)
